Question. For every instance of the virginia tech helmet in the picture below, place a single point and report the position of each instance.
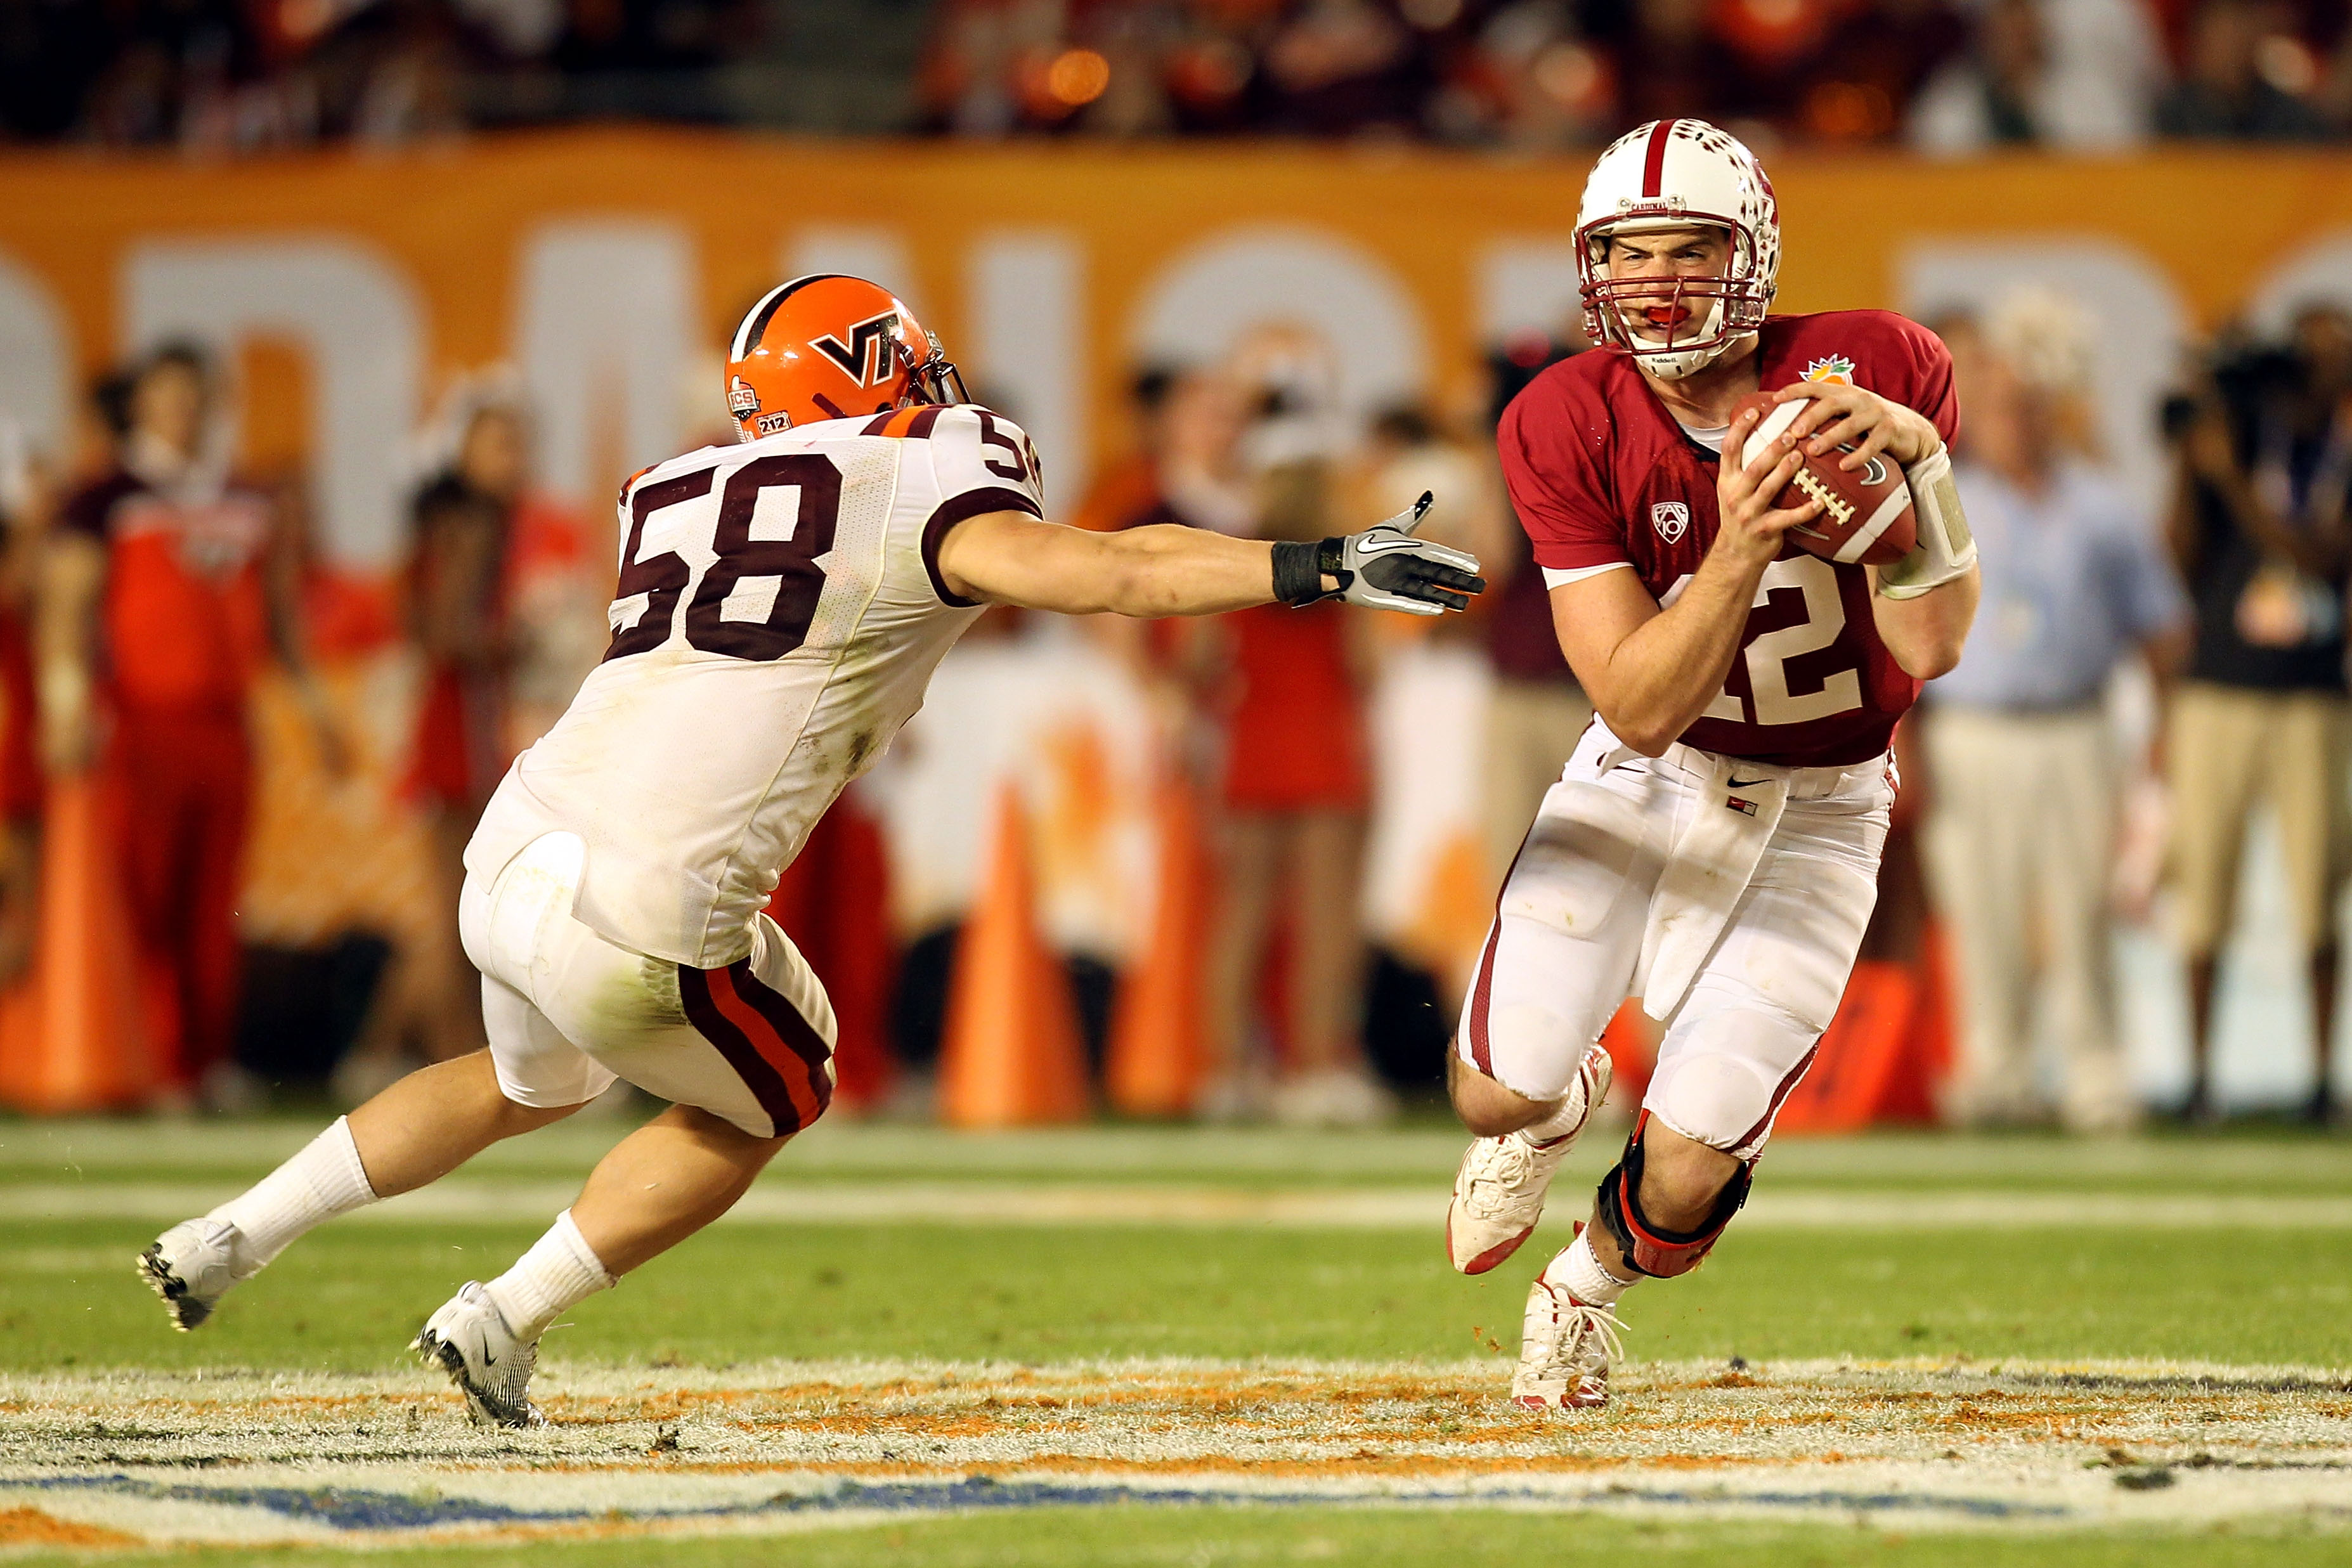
(829, 346)
(1669, 174)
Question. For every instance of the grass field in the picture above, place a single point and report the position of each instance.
(1137, 1345)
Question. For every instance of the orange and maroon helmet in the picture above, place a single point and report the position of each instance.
(832, 346)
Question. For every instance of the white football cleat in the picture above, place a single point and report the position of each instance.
(192, 1267)
(469, 1339)
(1565, 1352)
(1499, 1193)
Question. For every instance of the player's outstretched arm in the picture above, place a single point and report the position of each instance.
(1010, 557)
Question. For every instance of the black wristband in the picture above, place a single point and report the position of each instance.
(1297, 577)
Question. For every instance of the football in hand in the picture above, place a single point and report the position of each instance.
(1865, 512)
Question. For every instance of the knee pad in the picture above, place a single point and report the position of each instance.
(1652, 1248)
(1714, 1097)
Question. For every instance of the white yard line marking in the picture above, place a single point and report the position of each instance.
(1370, 1208)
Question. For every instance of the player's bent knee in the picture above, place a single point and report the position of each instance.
(1485, 1107)
(1715, 1098)
(1653, 1249)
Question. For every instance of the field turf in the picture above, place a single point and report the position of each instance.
(1912, 1350)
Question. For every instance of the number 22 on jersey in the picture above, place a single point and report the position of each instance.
(1768, 652)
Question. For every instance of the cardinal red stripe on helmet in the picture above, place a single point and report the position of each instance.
(1654, 166)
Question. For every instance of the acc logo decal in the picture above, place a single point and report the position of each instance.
(1834, 368)
(866, 358)
(1671, 519)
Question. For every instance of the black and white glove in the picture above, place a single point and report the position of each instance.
(1383, 568)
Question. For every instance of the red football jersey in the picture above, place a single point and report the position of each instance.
(1600, 473)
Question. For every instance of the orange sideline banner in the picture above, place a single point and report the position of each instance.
(607, 266)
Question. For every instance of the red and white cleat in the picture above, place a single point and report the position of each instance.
(1565, 1353)
(1499, 1193)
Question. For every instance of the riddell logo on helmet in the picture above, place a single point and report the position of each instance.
(742, 401)
(866, 358)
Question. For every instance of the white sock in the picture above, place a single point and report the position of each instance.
(1560, 1124)
(559, 1272)
(324, 1180)
(1578, 1269)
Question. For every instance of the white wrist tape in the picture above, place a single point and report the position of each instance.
(1946, 550)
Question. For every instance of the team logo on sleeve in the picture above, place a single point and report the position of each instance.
(1834, 368)
(1671, 519)
(866, 358)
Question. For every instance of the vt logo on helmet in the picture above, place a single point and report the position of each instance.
(831, 347)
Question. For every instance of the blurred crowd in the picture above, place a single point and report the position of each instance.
(2143, 685)
(1950, 77)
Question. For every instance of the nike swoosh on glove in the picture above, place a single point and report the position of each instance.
(1385, 567)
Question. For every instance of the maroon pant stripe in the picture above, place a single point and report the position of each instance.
(793, 1028)
(1787, 1083)
(767, 1086)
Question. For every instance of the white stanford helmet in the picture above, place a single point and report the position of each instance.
(1678, 174)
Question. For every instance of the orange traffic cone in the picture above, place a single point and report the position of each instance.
(1861, 1054)
(1632, 1042)
(1155, 1065)
(71, 1035)
(1011, 1056)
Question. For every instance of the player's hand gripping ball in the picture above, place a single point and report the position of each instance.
(1865, 512)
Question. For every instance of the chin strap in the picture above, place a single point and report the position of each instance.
(1946, 549)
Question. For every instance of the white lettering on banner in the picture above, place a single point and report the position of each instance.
(1028, 304)
(1769, 654)
(606, 314)
(1199, 305)
(36, 365)
(1528, 286)
(877, 255)
(360, 322)
(2137, 319)
(2320, 273)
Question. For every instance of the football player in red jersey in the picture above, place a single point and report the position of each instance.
(1712, 845)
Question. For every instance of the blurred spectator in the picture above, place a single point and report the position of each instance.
(498, 662)
(168, 583)
(27, 503)
(2075, 74)
(2263, 463)
(2247, 77)
(1250, 452)
(2022, 752)
(1537, 710)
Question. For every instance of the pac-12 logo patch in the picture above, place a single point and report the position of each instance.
(1834, 368)
(1671, 519)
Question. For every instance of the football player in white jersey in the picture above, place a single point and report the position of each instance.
(782, 604)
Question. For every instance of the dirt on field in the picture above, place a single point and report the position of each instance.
(785, 1446)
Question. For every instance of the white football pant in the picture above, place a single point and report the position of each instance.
(568, 1011)
(1582, 921)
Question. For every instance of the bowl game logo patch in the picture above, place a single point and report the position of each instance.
(1834, 368)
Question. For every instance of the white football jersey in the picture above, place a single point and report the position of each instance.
(780, 611)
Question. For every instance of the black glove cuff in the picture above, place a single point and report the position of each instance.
(1297, 576)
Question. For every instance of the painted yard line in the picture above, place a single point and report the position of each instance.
(786, 1203)
(781, 1446)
